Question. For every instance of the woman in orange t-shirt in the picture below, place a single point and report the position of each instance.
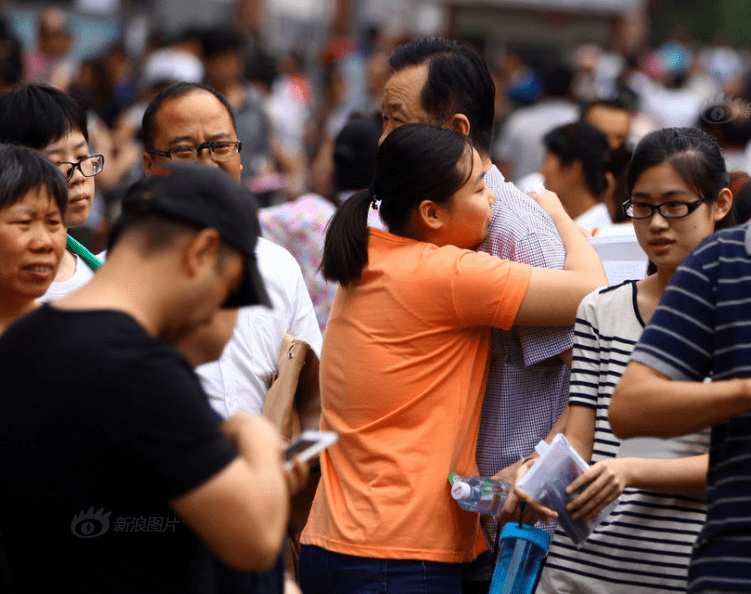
(405, 360)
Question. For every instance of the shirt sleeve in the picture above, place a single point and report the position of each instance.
(541, 343)
(479, 301)
(585, 367)
(304, 323)
(678, 339)
(540, 247)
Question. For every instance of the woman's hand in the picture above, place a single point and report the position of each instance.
(601, 484)
(550, 203)
(533, 511)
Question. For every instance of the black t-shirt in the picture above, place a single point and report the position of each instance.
(101, 424)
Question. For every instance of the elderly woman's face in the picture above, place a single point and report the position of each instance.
(32, 243)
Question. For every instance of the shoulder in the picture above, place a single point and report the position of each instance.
(521, 230)
(720, 253)
(275, 263)
(609, 296)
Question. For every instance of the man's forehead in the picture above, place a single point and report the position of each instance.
(198, 107)
(404, 87)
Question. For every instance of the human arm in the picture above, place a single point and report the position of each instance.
(241, 512)
(607, 479)
(644, 398)
(582, 273)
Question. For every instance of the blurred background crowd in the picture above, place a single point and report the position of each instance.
(295, 71)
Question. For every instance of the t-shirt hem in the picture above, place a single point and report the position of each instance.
(380, 552)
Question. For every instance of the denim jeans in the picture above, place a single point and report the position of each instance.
(325, 572)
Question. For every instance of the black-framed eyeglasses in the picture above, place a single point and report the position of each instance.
(669, 210)
(88, 166)
(218, 151)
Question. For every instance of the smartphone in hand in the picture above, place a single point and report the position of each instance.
(308, 445)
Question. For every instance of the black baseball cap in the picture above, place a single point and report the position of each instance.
(205, 197)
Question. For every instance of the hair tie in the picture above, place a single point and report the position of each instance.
(373, 197)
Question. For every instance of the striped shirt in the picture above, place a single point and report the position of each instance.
(701, 327)
(644, 545)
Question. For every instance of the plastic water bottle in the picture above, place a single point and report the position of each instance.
(479, 494)
(523, 549)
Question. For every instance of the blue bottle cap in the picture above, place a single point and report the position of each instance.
(537, 536)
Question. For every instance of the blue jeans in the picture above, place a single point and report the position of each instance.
(325, 572)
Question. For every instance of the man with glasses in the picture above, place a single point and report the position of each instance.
(51, 122)
(190, 122)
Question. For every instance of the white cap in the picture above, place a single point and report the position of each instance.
(461, 490)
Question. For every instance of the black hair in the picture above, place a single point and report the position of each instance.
(584, 143)
(220, 40)
(260, 67)
(23, 169)
(693, 153)
(11, 62)
(416, 162)
(557, 81)
(458, 82)
(175, 91)
(618, 103)
(37, 115)
(355, 151)
(742, 203)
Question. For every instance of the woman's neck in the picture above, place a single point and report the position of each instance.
(67, 267)
(650, 290)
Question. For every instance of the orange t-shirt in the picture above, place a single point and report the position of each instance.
(404, 363)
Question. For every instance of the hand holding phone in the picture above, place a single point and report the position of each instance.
(308, 445)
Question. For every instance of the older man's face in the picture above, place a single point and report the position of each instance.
(190, 120)
(401, 99)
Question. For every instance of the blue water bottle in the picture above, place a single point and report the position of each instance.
(523, 550)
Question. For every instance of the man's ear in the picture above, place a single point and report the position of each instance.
(459, 123)
(148, 163)
(202, 251)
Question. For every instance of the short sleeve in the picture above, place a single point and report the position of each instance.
(678, 339)
(478, 302)
(585, 367)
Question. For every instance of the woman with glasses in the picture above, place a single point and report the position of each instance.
(51, 122)
(679, 195)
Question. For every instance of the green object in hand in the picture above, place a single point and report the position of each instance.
(80, 250)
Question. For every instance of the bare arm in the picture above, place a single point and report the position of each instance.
(647, 403)
(241, 512)
(553, 296)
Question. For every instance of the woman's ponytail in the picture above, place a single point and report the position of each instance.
(345, 251)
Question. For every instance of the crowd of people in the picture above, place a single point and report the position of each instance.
(435, 255)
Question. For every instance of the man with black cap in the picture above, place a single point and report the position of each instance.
(116, 474)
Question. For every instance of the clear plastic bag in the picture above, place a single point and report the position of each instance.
(546, 481)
